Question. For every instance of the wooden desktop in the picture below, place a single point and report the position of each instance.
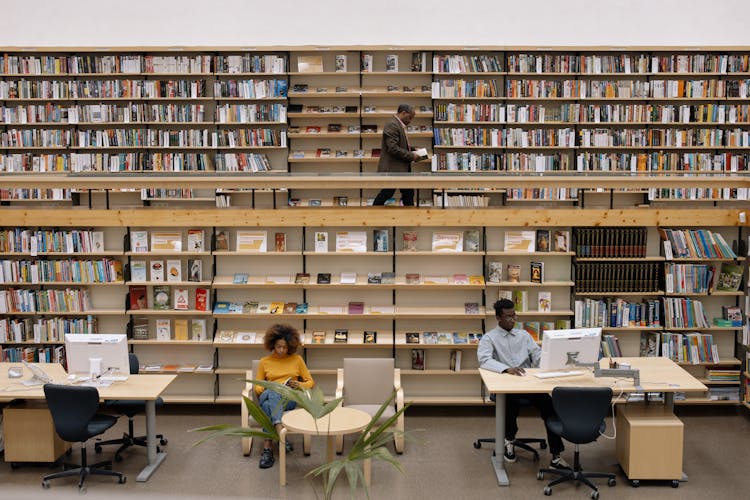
(657, 374)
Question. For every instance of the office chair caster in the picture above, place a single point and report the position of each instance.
(543, 445)
(675, 483)
(14, 465)
(163, 441)
(635, 483)
(118, 458)
(45, 485)
(595, 495)
(611, 482)
(477, 445)
(547, 491)
(540, 475)
(122, 480)
(97, 448)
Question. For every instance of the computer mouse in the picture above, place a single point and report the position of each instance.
(15, 372)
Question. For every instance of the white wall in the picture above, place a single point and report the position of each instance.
(39, 23)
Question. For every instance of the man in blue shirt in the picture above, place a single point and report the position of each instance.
(506, 349)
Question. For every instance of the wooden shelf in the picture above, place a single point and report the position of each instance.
(202, 343)
(166, 312)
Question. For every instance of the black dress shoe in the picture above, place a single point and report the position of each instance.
(266, 459)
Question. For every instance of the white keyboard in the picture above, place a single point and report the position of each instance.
(558, 374)
(114, 378)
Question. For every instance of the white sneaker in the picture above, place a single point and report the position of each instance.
(509, 455)
(559, 462)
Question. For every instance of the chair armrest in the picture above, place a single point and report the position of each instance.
(339, 383)
(247, 392)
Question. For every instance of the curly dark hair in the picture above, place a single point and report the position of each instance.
(281, 331)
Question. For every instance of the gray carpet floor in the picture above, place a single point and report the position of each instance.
(439, 462)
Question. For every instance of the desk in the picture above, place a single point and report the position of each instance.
(340, 421)
(136, 387)
(657, 375)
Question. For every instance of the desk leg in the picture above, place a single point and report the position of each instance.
(154, 459)
(669, 405)
(282, 457)
(497, 459)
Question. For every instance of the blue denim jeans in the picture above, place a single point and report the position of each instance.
(270, 403)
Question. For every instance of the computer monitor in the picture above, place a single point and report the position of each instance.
(565, 349)
(112, 349)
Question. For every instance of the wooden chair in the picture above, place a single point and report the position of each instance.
(247, 421)
(365, 383)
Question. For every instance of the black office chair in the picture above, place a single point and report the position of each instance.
(73, 410)
(129, 409)
(580, 420)
(522, 443)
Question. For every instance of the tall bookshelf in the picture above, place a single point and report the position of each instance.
(206, 115)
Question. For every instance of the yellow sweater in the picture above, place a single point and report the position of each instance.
(277, 369)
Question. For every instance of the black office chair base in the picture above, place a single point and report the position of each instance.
(522, 443)
(576, 475)
(83, 471)
(127, 440)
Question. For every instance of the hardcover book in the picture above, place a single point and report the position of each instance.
(170, 241)
(391, 63)
(138, 270)
(195, 269)
(140, 329)
(163, 329)
(374, 278)
(181, 299)
(521, 300)
(201, 299)
(290, 307)
(471, 240)
(730, 277)
(494, 272)
(225, 336)
(370, 337)
(460, 338)
(157, 270)
(239, 278)
(544, 301)
(430, 337)
(195, 240)
(356, 308)
(138, 297)
(351, 241)
(324, 278)
(561, 243)
(532, 328)
(302, 278)
(244, 337)
(410, 241)
(276, 308)
(412, 337)
(263, 308)
(180, 329)
(321, 241)
(348, 278)
(417, 359)
(388, 277)
(222, 240)
(447, 241)
(542, 240)
(444, 337)
(340, 63)
(341, 336)
(174, 270)
(280, 240)
(380, 238)
(161, 297)
(460, 279)
(139, 241)
(520, 241)
(455, 361)
(476, 279)
(536, 272)
(301, 308)
(251, 241)
(514, 273)
(412, 278)
(198, 329)
(319, 337)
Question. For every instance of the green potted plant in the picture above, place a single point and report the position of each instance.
(371, 443)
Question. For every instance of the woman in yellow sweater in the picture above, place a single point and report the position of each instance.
(283, 365)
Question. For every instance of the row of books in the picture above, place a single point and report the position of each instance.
(597, 277)
(520, 299)
(703, 278)
(610, 242)
(184, 329)
(176, 368)
(172, 272)
(39, 330)
(351, 278)
(689, 347)
(62, 270)
(166, 241)
(419, 360)
(695, 243)
(537, 328)
(351, 308)
(14, 300)
(164, 298)
(617, 313)
(19, 240)
(50, 354)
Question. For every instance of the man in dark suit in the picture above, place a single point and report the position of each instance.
(395, 153)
